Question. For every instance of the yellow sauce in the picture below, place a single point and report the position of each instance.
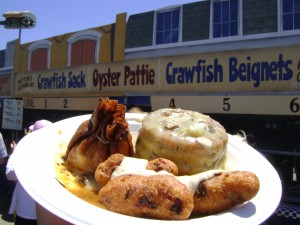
(84, 187)
(71, 181)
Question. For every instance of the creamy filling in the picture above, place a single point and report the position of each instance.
(193, 181)
(131, 165)
(188, 125)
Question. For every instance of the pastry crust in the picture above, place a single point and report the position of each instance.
(105, 133)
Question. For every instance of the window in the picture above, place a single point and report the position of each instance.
(225, 18)
(39, 59)
(39, 55)
(167, 26)
(83, 52)
(83, 48)
(290, 14)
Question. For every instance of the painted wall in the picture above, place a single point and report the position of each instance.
(110, 49)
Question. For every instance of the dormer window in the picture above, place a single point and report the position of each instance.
(290, 14)
(167, 26)
(225, 18)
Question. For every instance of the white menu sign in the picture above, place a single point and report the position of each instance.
(12, 114)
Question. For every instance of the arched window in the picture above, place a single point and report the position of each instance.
(39, 55)
(83, 48)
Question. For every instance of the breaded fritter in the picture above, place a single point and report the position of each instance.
(225, 191)
(160, 164)
(104, 170)
(158, 196)
(136, 192)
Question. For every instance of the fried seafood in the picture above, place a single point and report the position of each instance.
(105, 170)
(130, 188)
(160, 197)
(225, 191)
(160, 164)
(106, 133)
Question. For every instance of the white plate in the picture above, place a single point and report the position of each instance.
(35, 169)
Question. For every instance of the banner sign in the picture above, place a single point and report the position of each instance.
(252, 70)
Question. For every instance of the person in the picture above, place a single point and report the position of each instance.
(22, 205)
(3, 150)
(135, 110)
(45, 217)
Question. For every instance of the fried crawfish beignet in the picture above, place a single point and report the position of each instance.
(224, 191)
(160, 164)
(105, 169)
(160, 197)
(106, 133)
(213, 191)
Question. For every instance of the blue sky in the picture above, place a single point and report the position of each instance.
(57, 17)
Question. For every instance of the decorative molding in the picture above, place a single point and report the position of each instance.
(37, 45)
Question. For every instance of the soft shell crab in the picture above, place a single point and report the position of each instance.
(104, 134)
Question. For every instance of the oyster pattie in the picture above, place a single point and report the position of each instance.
(160, 197)
(193, 141)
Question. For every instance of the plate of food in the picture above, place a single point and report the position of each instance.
(117, 167)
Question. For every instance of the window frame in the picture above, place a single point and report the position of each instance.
(179, 25)
(239, 21)
(37, 45)
(84, 35)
